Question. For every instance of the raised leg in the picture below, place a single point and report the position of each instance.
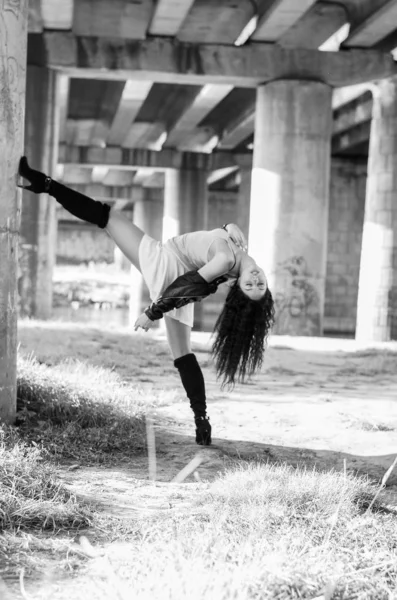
(126, 235)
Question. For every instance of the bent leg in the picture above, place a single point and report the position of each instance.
(126, 235)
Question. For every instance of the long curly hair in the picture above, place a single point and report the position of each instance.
(241, 332)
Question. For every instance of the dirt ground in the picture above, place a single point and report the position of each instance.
(317, 402)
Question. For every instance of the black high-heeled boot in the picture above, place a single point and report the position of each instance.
(193, 382)
(77, 204)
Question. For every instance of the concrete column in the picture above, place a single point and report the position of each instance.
(13, 41)
(244, 193)
(148, 215)
(38, 219)
(289, 199)
(185, 210)
(377, 291)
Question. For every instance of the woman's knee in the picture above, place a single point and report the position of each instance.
(178, 336)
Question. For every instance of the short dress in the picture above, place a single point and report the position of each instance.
(161, 263)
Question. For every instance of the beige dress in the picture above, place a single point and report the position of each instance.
(162, 263)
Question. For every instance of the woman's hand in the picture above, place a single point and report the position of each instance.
(144, 322)
(237, 236)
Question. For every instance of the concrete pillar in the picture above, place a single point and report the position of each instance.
(289, 199)
(244, 193)
(148, 215)
(377, 292)
(38, 219)
(185, 210)
(13, 41)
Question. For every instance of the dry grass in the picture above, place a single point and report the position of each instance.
(79, 411)
(258, 532)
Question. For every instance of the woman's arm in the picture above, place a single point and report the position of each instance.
(217, 266)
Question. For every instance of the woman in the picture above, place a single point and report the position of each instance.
(186, 269)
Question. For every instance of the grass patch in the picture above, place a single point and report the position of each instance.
(33, 500)
(79, 411)
(258, 532)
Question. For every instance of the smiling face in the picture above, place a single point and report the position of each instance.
(252, 282)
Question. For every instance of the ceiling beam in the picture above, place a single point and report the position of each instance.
(345, 142)
(209, 96)
(216, 21)
(316, 26)
(112, 18)
(74, 174)
(134, 158)
(121, 204)
(144, 135)
(155, 180)
(132, 98)
(220, 174)
(373, 28)
(117, 177)
(352, 114)
(346, 94)
(168, 16)
(99, 174)
(277, 17)
(161, 59)
(239, 130)
(57, 15)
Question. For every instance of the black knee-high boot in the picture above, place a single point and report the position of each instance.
(77, 204)
(193, 382)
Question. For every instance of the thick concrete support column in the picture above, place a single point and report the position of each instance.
(13, 41)
(185, 210)
(289, 199)
(38, 219)
(148, 216)
(244, 193)
(377, 288)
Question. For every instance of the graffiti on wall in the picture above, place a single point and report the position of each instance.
(297, 303)
(13, 6)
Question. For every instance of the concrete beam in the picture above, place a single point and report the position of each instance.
(352, 114)
(113, 19)
(220, 175)
(239, 130)
(156, 180)
(165, 60)
(346, 141)
(216, 21)
(380, 23)
(116, 177)
(144, 135)
(121, 204)
(73, 174)
(346, 94)
(316, 26)
(168, 16)
(132, 98)
(57, 15)
(277, 17)
(134, 159)
(209, 96)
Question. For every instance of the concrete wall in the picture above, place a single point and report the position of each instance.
(345, 225)
(78, 243)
